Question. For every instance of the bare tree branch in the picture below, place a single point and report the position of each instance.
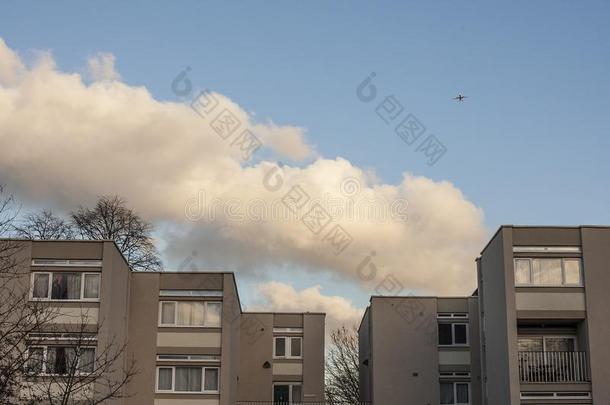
(44, 225)
(111, 219)
(342, 379)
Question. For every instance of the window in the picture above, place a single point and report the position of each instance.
(60, 360)
(188, 379)
(66, 263)
(548, 272)
(455, 393)
(66, 286)
(190, 313)
(286, 393)
(547, 343)
(190, 293)
(453, 334)
(287, 347)
(188, 357)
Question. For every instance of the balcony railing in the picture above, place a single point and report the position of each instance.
(553, 367)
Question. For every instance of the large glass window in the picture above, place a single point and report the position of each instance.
(453, 334)
(61, 360)
(287, 347)
(188, 379)
(190, 313)
(286, 393)
(547, 272)
(64, 286)
(547, 343)
(455, 393)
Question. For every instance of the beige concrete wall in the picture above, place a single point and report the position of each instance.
(256, 350)
(550, 301)
(404, 351)
(596, 266)
(475, 351)
(143, 313)
(365, 360)
(497, 300)
(230, 340)
(313, 356)
(185, 339)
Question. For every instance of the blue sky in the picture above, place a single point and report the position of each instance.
(529, 145)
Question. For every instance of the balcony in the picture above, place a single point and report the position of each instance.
(553, 367)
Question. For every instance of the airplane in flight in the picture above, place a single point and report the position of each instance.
(460, 97)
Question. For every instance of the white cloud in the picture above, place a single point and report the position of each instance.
(65, 142)
(283, 297)
(101, 67)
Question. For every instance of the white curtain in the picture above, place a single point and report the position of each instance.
(41, 286)
(92, 286)
(188, 379)
(165, 379)
(213, 314)
(168, 313)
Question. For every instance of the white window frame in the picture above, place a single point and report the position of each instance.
(290, 385)
(175, 324)
(455, 383)
(453, 344)
(288, 347)
(66, 263)
(50, 286)
(203, 391)
(45, 354)
(212, 358)
(563, 271)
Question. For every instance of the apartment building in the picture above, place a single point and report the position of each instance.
(535, 332)
(420, 350)
(186, 331)
(544, 315)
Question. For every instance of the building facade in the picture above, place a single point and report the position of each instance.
(544, 315)
(535, 332)
(185, 332)
(420, 350)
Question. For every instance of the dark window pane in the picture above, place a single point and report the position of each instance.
(295, 347)
(61, 360)
(281, 393)
(444, 334)
(297, 394)
(280, 347)
(66, 286)
(447, 393)
(460, 334)
(165, 379)
(211, 379)
(461, 391)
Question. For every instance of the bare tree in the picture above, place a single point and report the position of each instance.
(81, 370)
(94, 372)
(112, 219)
(44, 225)
(18, 315)
(342, 380)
